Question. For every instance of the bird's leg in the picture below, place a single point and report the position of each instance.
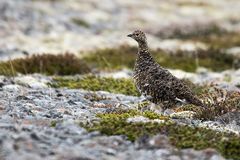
(122, 104)
(167, 105)
(157, 108)
(180, 100)
(144, 102)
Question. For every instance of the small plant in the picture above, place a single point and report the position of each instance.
(218, 102)
(62, 64)
(53, 124)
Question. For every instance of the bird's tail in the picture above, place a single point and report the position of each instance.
(194, 100)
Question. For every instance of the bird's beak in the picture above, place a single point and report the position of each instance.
(130, 35)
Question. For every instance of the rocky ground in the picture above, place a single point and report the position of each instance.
(43, 122)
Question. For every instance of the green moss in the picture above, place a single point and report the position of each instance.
(93, 83)
(230, 147)
(63, 64)
(221, 41)
(180, 136)
(238, 85)
(109, 59)
(115, 123)
(53, 124)
(80, 22)
(216, 59)
(153, 115)
(114, 59)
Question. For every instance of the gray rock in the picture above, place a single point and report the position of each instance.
(230, 117)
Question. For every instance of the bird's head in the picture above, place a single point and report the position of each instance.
(139, 36)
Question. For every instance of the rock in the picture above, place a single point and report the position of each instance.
(230, 118)
(142, 119)
(183, 114)
(157, 141)
(12, 88)
(32, 81)
(125, 73)
(137, 119)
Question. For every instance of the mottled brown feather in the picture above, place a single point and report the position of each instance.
(156, 83)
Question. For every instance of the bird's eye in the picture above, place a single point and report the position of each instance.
(137, 34)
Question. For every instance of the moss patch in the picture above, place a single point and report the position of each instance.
(180, 136)
(80, 22)
(115, 123)
(114, 59)
(63, 64)
(53, 123)
(220, 41)
(94, 83)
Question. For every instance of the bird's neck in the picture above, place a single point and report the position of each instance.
(142, 47)
(143, 53)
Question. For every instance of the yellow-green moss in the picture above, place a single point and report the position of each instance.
(94, 83)
(80, 22)
(53, 123)
(112, 59)
(180, 136)
(62, 64)
(153, 115)
(221, 41)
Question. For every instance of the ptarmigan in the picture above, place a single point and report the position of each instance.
(156, 83)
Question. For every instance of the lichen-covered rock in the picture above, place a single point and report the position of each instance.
(183, 114)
